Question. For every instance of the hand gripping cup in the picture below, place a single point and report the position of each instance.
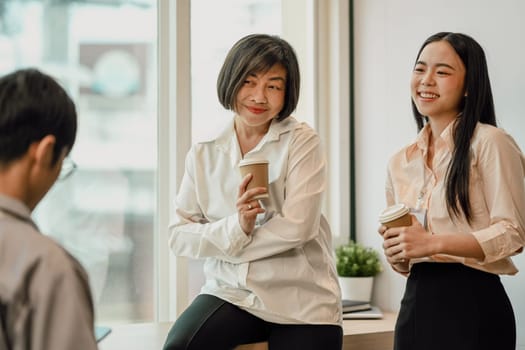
(395, 216)
(259, 170)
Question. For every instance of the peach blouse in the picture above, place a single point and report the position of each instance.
(497, 193)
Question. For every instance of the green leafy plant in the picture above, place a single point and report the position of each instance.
(355, 260)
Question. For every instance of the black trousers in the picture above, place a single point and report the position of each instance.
(212, 323)
(449, 306)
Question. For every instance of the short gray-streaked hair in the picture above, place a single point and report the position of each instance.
(257, 53)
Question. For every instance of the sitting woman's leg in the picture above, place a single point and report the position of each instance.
(212, 323)
(305, 337)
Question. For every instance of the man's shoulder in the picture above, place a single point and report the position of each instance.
(28, 254)
(26, 242)
(56, 262)
(39, 275)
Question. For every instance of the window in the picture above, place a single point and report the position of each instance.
(113, 213)
(230, 20)
(104, 214)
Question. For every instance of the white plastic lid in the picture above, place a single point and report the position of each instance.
(244, 162)
(393, 212)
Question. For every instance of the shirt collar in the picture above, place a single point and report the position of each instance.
(227, 140)
(16, 208)
(277, 128)
(422, 140)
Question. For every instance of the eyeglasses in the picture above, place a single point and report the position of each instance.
(68, 168)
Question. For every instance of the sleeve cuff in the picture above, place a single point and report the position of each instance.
(497, 241)
(237, 237)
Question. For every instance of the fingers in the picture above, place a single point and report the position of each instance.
(391, 242)
(396, 260)
(393, 232)
(252, 206)
(248, 212)
(244, 184)
(247, 207)
(391, 245)
(394, 250)
(245, 194)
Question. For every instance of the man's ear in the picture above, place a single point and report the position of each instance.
(43, 151)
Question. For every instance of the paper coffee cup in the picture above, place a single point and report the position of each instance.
(259, 170)
(395, 216)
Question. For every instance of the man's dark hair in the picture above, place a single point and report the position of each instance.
(32, 106)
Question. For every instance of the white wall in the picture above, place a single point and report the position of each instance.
(388, 34)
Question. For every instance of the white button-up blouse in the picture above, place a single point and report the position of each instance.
(283, 272)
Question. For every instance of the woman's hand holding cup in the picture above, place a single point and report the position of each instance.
(248, 206)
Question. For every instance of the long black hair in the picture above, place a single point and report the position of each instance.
(477, 106)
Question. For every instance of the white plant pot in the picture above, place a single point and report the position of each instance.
(356, 288)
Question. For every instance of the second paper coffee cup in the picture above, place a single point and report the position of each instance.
(259, 170)
(396, 215)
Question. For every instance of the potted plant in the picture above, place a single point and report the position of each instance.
(356, 266)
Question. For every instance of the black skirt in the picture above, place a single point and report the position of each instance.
(449, 306)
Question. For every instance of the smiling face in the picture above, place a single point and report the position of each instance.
(261, 97)
(438, 82)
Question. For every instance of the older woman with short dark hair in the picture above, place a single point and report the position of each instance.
(269, 270)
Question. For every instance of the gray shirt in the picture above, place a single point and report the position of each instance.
(45, 300)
